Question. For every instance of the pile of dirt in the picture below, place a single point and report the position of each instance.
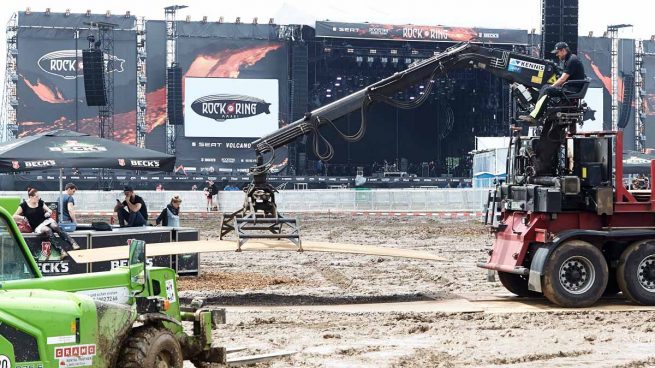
(232, 281)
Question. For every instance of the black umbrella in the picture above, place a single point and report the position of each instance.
(61, 149)
(65, 149)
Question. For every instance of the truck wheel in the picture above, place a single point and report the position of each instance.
(636, 272)
(575, 275)
(151, 347)
(516, 284)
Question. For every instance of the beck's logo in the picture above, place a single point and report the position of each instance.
(74, 146)
(67, 64)
(15, 165)
(121, 162)
(223, 107)
(40, 163)
(144, 163)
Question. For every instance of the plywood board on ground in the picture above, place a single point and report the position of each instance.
(208, 246)
(459, 305)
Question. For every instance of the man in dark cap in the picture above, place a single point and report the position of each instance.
(132, 212)
(573, 71)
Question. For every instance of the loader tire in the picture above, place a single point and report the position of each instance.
(516, 284)
(636, 272)
(150, 347)
(575, 275)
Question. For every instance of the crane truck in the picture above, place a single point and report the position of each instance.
(563, 224)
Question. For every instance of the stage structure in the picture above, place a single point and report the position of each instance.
(8, 123)
(142, 82)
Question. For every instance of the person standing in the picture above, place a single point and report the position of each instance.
(212, 190)
(132, 212)
(68, 201)
(170, 216)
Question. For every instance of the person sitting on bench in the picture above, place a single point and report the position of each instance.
(132, 212)
(573, 71)
(36, 217)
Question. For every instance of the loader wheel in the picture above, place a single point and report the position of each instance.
(636, 272)
(151, 347)
(517, 284)
(575, 275)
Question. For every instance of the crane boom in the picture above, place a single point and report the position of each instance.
(513, 67)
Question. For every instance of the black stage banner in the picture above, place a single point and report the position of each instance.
(214, 50)
(50, 86)
(421, 33)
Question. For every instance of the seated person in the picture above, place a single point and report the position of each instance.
(34, 212)
(170, 216)
(132, 212)
(573, 71)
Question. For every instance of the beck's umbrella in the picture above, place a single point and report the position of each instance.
(60, 149)
(65, 149)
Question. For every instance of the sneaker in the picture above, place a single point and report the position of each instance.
(74, 244)
(528, 119)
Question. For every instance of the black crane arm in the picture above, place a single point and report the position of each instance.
(515, 68)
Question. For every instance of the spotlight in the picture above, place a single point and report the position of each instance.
(220, 19)
(88, 12)
(350, 51)
(28, 11)
(97, 44)
(108, 13)
(591, 33)
(188, 19)
(47, 11)
(68, 12)
(254, 20)
(128, 14)
(204, 19)
(271, 21)
(238, 21)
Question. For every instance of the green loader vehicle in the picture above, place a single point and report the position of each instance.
(128, 317)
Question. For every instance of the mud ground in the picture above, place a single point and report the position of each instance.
(352, 338)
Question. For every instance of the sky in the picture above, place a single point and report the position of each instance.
(595, 15)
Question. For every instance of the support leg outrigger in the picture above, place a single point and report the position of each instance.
(259, 217)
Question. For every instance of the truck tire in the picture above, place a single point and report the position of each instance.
(516, 284)
(636, 272)
(575, 275)
(150, 347)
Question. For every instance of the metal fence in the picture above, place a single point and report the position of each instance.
(335, 200)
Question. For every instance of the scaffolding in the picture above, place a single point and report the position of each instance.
(142, 81)
(613, 33)
(171, 62)
(105, 39)
(640, 113)
(8, 122)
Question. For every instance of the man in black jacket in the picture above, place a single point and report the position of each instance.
(132, 212)
(573, 71)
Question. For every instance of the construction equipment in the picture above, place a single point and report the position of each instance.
(564, 224)
(259, 217)
(526, 73)
(128, 317)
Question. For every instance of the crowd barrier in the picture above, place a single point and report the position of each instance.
(318, 200)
